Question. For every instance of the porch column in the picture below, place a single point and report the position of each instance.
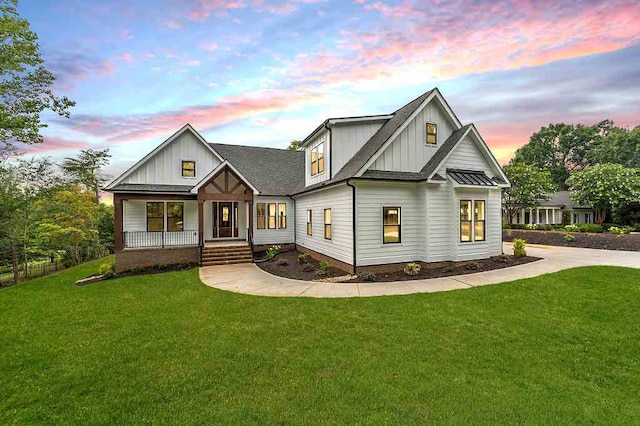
(547, 216)
(117, 209)
(200, 222)
(531, 221)
(250, 221)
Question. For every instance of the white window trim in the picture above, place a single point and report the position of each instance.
(195, 169)
(382, 207)
(324, 157)
(473, 221)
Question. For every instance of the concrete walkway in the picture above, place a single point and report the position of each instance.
(249, 279)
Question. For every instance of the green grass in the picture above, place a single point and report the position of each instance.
(165, 349)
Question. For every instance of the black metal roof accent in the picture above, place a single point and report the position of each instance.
(470, 177)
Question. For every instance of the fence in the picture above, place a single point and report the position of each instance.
(159, 238)
(34, 269)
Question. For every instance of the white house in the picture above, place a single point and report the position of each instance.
(557, 210)
(412, 185)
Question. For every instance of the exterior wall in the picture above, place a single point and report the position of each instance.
(492, 246)
(338, 199)
(310, 180)
(135, 214)
(467, 155)
(274, 236)
(408, 152)
(165, 167)
(143, 257)
(441, 234)
(370, 200)
(347, 139)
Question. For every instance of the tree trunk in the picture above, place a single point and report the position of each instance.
(601, 215)
(14, 262)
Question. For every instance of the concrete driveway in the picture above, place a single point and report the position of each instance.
(249, 279)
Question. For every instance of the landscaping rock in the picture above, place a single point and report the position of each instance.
(89, 280)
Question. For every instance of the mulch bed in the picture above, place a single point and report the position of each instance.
(630, 242)
(294, 269)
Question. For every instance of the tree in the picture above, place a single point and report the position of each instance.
(619, 146)
(294, 145)
(25, 84)
(605, 187)
(529, 185)
(10, 214)
(86, 169)
(105, 225)
(562, 148)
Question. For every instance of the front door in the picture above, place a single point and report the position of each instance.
(225, 217)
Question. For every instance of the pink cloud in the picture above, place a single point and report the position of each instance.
(204, 8)
(174, 25)
(53, 144)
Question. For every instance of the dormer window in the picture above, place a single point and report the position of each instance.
(317, 159)
(188, 169)
(432, 134)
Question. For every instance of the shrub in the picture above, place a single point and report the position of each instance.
(473, 266)
(367, 276)
(506, 226)
(184, 265)
(519, 247)
(308, 267)
(592, 228)
(302, 257)
(283, 262)
(412, 268)
(531, 226)
(571, 228)
(569, 238)
(137, 269)
(503, 258)
(323, 268)
(449, 268)
(619, 231)
(160, 266)
(546, 227)
(636, 227)
(107, 270)
(272, 252)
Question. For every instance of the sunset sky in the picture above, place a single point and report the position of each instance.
(256, 72)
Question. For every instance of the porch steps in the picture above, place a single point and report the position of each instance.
(226, 255)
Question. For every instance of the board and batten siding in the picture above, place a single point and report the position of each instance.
(409, 152)
(370, 200)
(134, 214)
(466, 155)
(347, 139)
(165, 166)
(273, 236)
(338, 199)
(321, 177)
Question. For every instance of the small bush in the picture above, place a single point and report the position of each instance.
(160, 266)
(519, 247)
(302, 257)
(272, 252)
(620, 231)
(136, 269)
(569, 238)
(506, 226)
(283, 262)
(323, 268)
(473, 266)
(449, 268)
(412, 268)
(636, 227)
(308, 267)
(184, 265)
(531, 226)
(367, 276)
(503, 258)
(546, 227)
(571, 228)
(591, 228)
(107, 270)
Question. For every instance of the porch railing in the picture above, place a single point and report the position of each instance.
(131, 239)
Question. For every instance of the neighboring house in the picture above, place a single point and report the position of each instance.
(413, 185)
(557, 210)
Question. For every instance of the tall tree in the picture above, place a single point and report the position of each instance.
(294, 145)
(562, 148)
(25, 84)
(619, 146)
(529, 185)
(86, 169)
(605, 187)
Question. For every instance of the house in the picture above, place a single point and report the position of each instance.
(557, 210)
(412, 185)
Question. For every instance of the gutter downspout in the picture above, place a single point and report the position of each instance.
(353, 214)
(295, 213)
(326, 126)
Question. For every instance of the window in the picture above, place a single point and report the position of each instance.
(188, 169)
(472, 222)
(260, 213)
(587, 218)
(465, 220)
(390, 225)
(317, 159)
(309, 222)
(155, 217)
(327, 224)
(478, 220)
(282, 216)
(432, 134)
(175, 216)
(272, 216)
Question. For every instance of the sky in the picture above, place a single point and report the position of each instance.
(258, 72)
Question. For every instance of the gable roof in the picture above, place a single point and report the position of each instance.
(271, 171)
(136, 166)
(444, 150)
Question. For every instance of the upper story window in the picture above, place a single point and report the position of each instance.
(432, 134)
(317, 159)
(188, 169)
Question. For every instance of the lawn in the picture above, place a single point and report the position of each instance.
(165, 349)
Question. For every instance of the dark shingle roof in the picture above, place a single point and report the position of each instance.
(389, 175)
(271, 171)
(562, 199)
(470, 177)
(143, 187)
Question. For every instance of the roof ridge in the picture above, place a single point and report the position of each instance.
(252, 146)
